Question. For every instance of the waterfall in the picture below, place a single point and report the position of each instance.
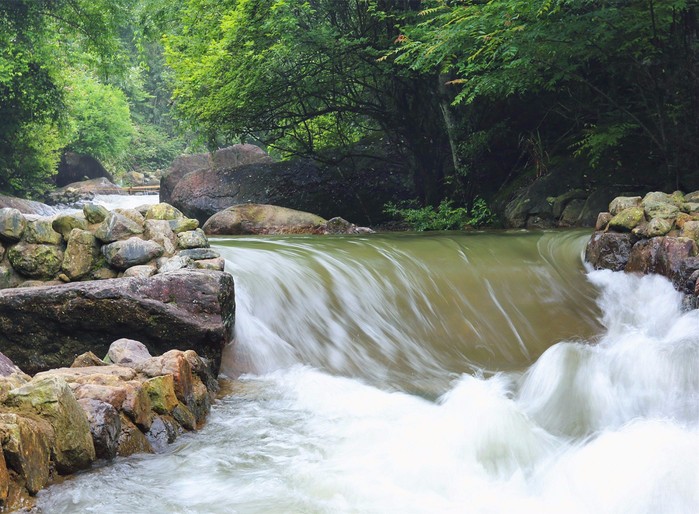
(451, 373)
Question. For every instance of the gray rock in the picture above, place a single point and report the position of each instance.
(38, 261)
(192, 239)
(80, 255)
(609, 250)
(94, 213)
(117, 227)
(105, 427)
(41, 232)
(12, 225)
(127, 352)
(218, 264)
(665, 210)
(64, 223)
(141, 271)
(621, 203)
(198, 254)
(183, 225)
(131, 252)
(175, 263)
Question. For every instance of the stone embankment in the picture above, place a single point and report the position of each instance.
(658, 233)
(61, 421)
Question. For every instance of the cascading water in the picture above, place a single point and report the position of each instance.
(433, 373)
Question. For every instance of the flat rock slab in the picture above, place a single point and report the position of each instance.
(47, 327)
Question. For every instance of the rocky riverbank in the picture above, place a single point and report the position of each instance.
(658, 233)
(63, 420)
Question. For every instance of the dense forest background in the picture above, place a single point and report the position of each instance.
(480, 96)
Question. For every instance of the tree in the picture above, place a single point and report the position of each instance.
(305, 76)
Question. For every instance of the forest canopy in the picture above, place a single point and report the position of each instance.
(477, 94)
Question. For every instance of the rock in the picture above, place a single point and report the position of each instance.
(65, 223)
(161, 391)
(627, 219)
(141, 271)
(183, 225)
(198, 254)
(184, 417)
(174, 364)
(602, 221)
(38, 261)
(131, 252)
(203, 371)
(192, 239)
(608, 250)
(218, 264)
(654, 228)
(81, 254)
(655, 209)
(26, 206)
(159, 230)
(621, 203)
(4, 480)
(131, 439)
(690, 229)
(262, 219)
(560, 202)
(9, 277)
(87, 359)
(41, 231)
(10, 376)
(190, 309)
(163, 211)
(12, 225)
(671, 256)
(339, 225)
(688, 275)
(230, 157)
(356, 188)
(52, 399)
(175, 263)
(26, 447)
(105, 427)
(571, 214)
(74, 167)
(163, 431)
(95, 213)
(137, 405)
(116, 227)
(127, 352)
(643, 257)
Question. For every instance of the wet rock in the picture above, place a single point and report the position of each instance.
(40, 261)
(131, 252)
(116, 227)
(184, 417)
(570, 217)
(105, 427)
(339, 225)
(81, 254)
(192, 239)
(643, 257)
(52, 399)
(672, 253)
(12, 225)
(609, 250)
(9, 277)
(26, 444)
(176, 365)
(262, 219)
(95, 213)
(131, 439)
(654, 228)
(163, 431)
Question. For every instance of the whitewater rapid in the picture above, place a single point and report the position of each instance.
(363, 390)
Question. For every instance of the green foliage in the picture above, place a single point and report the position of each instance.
(444, 217)
(98, 117)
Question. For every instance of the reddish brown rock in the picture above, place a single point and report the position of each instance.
(609, 250)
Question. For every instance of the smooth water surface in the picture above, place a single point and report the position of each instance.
(440, 373)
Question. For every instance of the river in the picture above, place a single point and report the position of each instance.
(432, 373)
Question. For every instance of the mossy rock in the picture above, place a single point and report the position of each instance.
(40, 261)
(627, 219)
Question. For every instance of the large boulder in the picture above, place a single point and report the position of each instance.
(78, 192)
(51, 398)
(26, 206)
(356, 188)
(261, 219)
(229, 157)
(46, 327)
(75, 167)
(609, 250)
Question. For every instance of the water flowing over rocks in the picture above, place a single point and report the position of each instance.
(658, 233)
(62, 420)
(78, 193)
